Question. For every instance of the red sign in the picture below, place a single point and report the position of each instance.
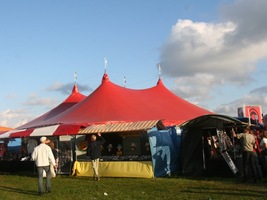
(253, 112)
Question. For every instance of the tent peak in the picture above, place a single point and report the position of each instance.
(105, 78)
(159, 82)
(75, 89)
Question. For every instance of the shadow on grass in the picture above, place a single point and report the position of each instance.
(226, 191)
(17, 190)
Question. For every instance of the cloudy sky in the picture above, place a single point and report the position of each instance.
(211, 53)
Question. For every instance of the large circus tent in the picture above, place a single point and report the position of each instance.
(124, 116)
(111, 103)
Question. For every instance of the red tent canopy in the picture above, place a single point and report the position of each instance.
(113, 103)
(70, 101)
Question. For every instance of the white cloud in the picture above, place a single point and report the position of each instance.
(34, 106)
(67, 88)
(11, 96)
(17, 117)
(34, 100)
(56, 86)
(250, 16)
(185, 90)
(199, 49)
(254, 97)
(14, 118)
(201, 57)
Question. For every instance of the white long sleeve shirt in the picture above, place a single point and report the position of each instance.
(43, 156)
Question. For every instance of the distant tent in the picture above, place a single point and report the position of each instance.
(4, 129)
(39, 125)
(113, 103)
(70, 101)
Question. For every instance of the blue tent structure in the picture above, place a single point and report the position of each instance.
(165, 150)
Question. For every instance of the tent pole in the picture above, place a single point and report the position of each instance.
(203, 153)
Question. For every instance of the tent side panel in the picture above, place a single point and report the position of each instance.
(191, 152)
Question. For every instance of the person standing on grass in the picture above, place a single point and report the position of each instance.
(94, 149)
(248, 143)
(55, 154)
(43, 156)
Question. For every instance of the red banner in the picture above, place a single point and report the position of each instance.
(253, 112)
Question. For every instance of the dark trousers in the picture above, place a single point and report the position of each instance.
(40, 178)
(249, 162)
(264, 165)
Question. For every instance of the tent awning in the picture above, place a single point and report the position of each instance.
(54, 130)
(5, 134)
(122, 127)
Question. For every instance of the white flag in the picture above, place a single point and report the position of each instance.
(75, 77)
(105, 62)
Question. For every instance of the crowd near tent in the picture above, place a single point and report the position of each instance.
(143, 122)
(203, 141)
(3, 129)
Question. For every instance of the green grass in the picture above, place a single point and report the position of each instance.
(71, 188)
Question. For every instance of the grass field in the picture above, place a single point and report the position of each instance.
(71, 188)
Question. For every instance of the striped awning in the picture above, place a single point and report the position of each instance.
(122, 127)
(54, 130)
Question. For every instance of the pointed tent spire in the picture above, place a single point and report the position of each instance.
(75, 78)
(159, 82)
(159, 68)
(105, 64)
(105, 78)
(75, 87)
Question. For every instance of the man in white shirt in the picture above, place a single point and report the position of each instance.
(43, 156)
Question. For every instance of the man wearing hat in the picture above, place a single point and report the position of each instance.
(43, 156)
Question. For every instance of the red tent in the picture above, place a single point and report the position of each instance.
(70, 101)
(111, 103)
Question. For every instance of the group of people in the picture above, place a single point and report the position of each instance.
(45, 156)
(110, 151)
(254, 153)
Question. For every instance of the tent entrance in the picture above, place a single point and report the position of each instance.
(217, 147)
